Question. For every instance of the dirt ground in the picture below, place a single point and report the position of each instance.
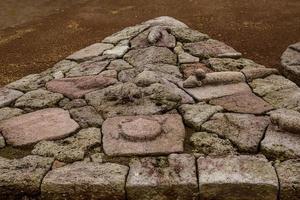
(35, 34)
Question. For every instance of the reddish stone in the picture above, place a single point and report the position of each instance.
(77, 87)
(190, 69)
(47, 124)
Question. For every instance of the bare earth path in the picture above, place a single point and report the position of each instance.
(47, 31)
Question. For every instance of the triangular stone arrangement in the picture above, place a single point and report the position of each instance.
(155, 111)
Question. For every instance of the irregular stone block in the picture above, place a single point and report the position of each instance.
(78, 87)
(89, 52)
(190, 69)
(229, 64)
(196, 114)
(237, 177)
(165, 21)
(22, 178)
(163, 178)
(7, 96)
(288, 120)
(117, 51)
(280, 145)
(243, 103)
(143, 135)
(71, 149)
(37, 99)
(187, 58)
(255, 73)
(7, 112)
(119, 65)
(86, 116)
(289, 178)
(243, 130)
(211, 48)
(2, 142)
(291, 57)
(30, 82)
(46, 124)
(87, 69)
(75, 103)
(85, 180)
(187, 35)
(216, 78)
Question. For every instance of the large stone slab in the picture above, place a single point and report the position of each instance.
(244, 130)
(163, 178)
(237, 177)
(143, 135)
(21, 178)
(77, 87)
(46, 124)
(85, 180)
(288, 120)
(7, 96)
(229, 64)
(289, 178)
(88, 68)
(183, 34)
(30, 82)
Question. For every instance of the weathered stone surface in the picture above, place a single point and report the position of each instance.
(210, 144)
(87, 69)
(119, 65)
(143, 135)
(217, 78)
(165, 21)
(243, 103)
(243, 130)
(237, 177)
(30, 82)
(146, 78)
(124, 34)
(78, 87)
(22, 177)
(211, 48)
(288, 120)
(117, 51)
(185, 98)
(7, 112)
(191, 82)
(290, 61)
(89, 52)
(2, 142)
(75, 103)
(255, 73)
(289, 178)
(188, 35)
(85, 180)
(163, 178)
(37, 99)
(86, 116)
(190, 69)
(110, 73)
(281, 145)
(229, 64)
(196, 114)
(63, 66)
(187, 58)
(150, 55)
(46, 124)
(7, 96)
(71, 149)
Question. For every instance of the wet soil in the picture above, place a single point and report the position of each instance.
(36, 34)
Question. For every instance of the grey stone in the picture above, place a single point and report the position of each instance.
(7, 112)
(187, 35)
(85, 180)
(71, 149)
(218, 78)
(288, 120)
(8, 96)
(290, 57)
(191, 82)
(187, 58)
(163, 178)
(87, 69)
(117, 51)
(244, 130)
(146, 78)
(2, 142)
(62, 66)
(165, 21)
(30, 82)
(229, 64)
(86, 116)
(39, 99)
(237, 177)
(195, 115)
(22, 177)
(119, 65)
(127, 75)
(75, 103)
(255, 73)
(109, 73)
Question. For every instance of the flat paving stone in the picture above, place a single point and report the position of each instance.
(168, 178)
(188, 35)
(85, 180)
(289, 178)
(7, 112)
(77, 87)
(237, 177)
(86, 116)
(30, 82)
(229, 64)
(46, 124)
(7, 96)
(21, 178)
(87, 69)
(244, 130)
(286, 119)
(143, 135)
(119, 65)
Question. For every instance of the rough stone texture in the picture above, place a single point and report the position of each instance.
(128, 136)
(288, 120)
(90, 52)
(196, 114)
(86, 116)
(150, 55)
(75, 103)
(289, 177)
(119, 65)
(255, 73)
(244, 130)
(166, 21)
(46, 124)
(163, 178)
(281, 145)
(30, 82)
(210, 144)
(243, 103)
(187, 58)
(237, 177)
(22, 177)
(70, 149)
(7, 112)
(38, 99)
(217, 78)
(78, 87)
(7, 96)
(190, 69)
(87, 69)
(211, 48)
(85, 180)
(229, 64)
(117, 51)
(2, 142)
(186, 35)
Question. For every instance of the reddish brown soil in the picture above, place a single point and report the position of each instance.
(261, 29)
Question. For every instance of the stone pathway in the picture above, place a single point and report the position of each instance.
(155, 111)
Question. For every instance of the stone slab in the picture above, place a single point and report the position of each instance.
(229, 64)
(7, 96)
(88, 68)
(7, 112)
